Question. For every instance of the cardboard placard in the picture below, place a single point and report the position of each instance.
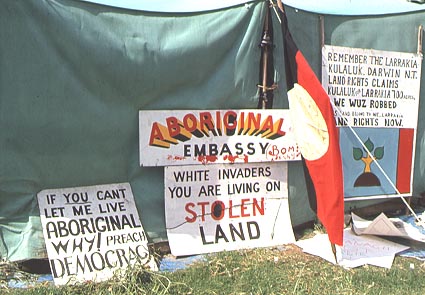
(92, 232)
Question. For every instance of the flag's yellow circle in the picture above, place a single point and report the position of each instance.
(308, 124)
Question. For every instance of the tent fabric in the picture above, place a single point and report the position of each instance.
(356, 7)
(73, 78)
(74, 75)
(171, 6)
(336, 7)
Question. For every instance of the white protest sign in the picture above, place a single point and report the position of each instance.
(372, 88)
(375, 95)
(91, 232)
(212, 208)
(193, 137)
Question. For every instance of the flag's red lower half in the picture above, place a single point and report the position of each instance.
(315, 129)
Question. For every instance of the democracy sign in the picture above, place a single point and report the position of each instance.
(92, 233)
(190, 137)
(376, 99)
(223, 207)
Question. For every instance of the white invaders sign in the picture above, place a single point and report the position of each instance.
(372, 88)
(223, 207)
(91, 232)
(193, 137)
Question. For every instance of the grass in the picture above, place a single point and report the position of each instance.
(282, 270)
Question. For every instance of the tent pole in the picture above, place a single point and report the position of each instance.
(322, 32)
(265, 46)
(266, 85)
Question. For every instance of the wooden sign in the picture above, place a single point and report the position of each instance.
(215, 136)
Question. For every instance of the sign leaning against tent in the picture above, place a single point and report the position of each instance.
(225, 176)
(92, 232)
(193, 137)
(221, 207)
(376, 99)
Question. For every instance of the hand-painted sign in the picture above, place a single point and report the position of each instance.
(215, 136)
(376, 98)
(221, 207)
(91, 232)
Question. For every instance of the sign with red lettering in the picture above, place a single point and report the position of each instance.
(376, 101)
(215, 136)
(91, 233)
(223, 207)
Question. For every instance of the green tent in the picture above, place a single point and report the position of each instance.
(74, 75)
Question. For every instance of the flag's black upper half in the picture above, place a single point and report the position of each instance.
(315, 130)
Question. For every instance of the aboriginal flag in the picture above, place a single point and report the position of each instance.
(317, 136)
